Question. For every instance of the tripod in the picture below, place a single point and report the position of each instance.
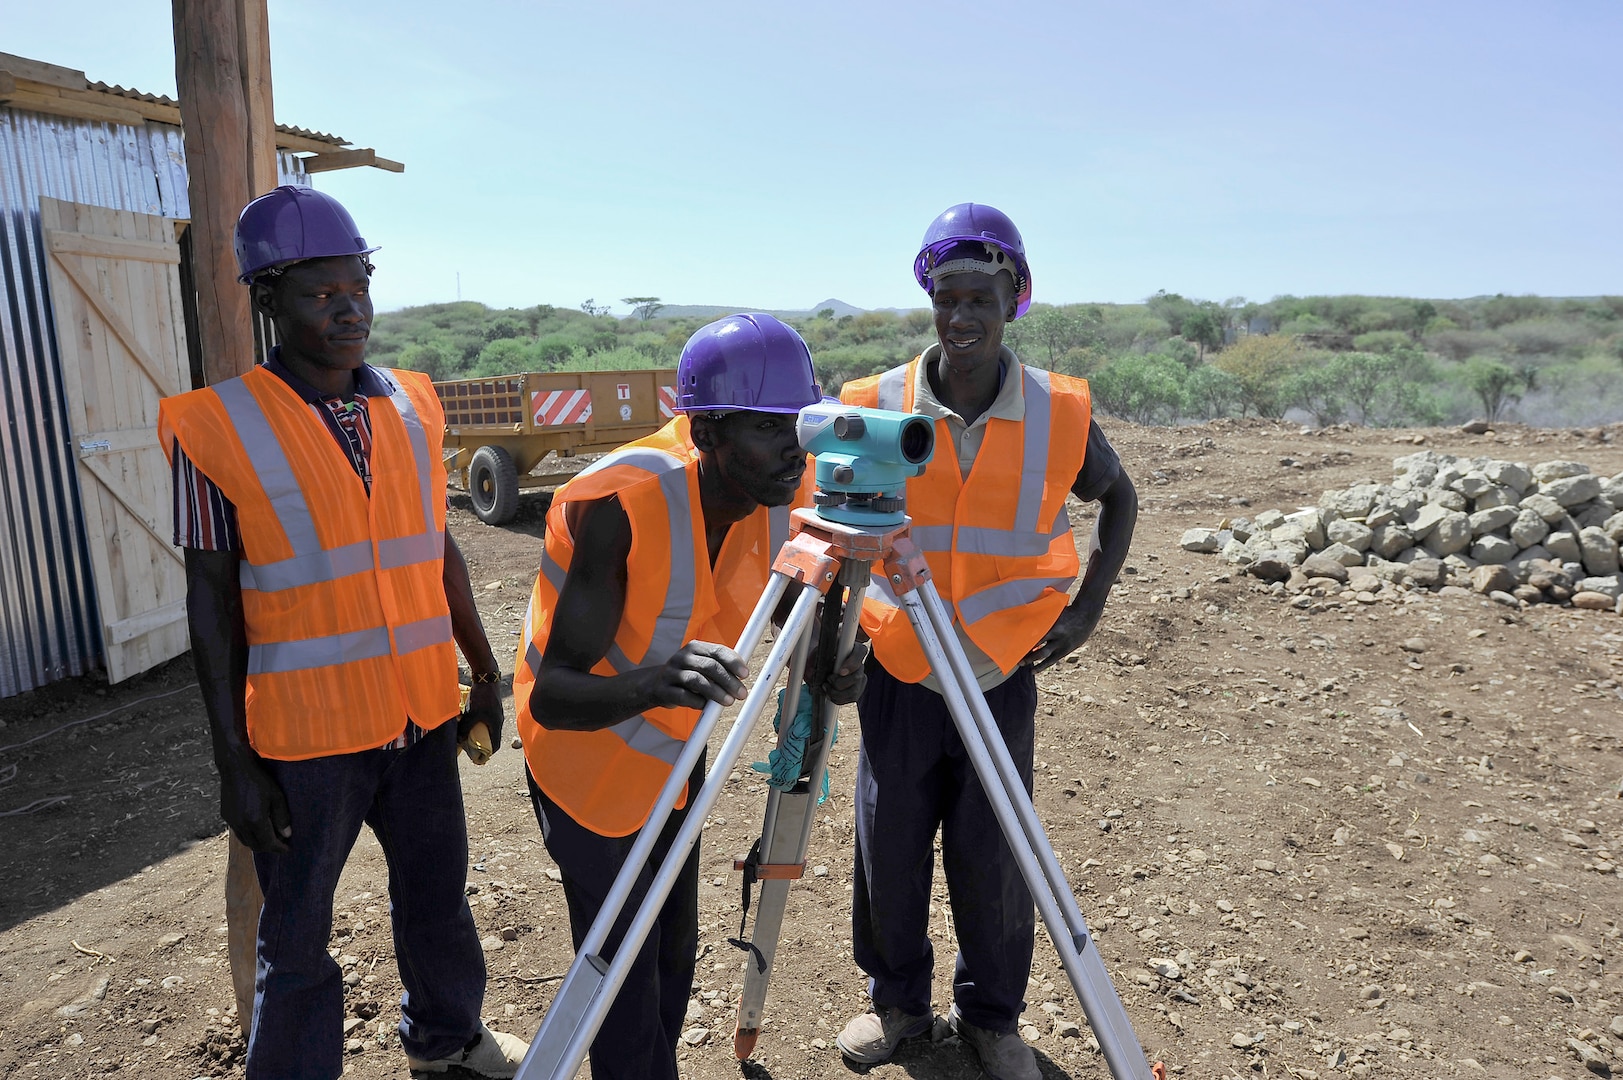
(824, 557)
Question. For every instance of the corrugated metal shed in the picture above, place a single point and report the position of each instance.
(48, 620)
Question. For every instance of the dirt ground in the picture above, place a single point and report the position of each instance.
(1365, 839)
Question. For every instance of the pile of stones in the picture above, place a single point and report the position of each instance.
(1547, 533)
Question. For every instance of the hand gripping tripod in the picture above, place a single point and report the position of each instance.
(824, 556)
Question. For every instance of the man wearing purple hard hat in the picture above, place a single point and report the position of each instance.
(610, 678)
(994, 529)
(326, 604)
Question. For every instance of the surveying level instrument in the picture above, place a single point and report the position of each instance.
(864, 458)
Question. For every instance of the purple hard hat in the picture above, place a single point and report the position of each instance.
(291, 224)
(970, 236)
(746, 362)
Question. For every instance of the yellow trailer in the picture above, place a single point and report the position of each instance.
(499, 430)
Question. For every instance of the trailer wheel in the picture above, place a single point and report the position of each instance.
(493, 485)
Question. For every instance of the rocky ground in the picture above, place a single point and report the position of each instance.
(1374, 834)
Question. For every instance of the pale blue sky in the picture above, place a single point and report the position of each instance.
(775, 155)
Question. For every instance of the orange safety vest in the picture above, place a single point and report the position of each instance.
(999, 543)
(349, 633)
(608, 779)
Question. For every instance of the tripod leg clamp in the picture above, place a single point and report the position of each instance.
(772, 871)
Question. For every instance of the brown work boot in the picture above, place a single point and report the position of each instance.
(1003, 1057)
(491, 1053)
(873, 1037)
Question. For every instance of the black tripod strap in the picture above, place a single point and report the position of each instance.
(751, 861)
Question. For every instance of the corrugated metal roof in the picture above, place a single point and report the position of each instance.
(163, 99)
(49, 628)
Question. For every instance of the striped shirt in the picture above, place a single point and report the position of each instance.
(207, 521)
(205, 518)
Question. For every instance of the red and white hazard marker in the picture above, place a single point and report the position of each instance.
(552, 408)
(667, 401)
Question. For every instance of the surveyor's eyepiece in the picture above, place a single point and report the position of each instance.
(917, 440)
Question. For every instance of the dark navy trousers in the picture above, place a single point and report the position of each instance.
(412, 800)
(638, 1038)
(914, 777)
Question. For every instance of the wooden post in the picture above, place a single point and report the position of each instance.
(214, 121)
(253, 27)
(222, 73)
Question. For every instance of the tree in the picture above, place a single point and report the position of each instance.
(1261, 364)
(504, 356)
(504, 327)
(1171, 308)
(1496, 384)
(428, 357)
(1143, 389)
(1204, 327)
(1364, 379)
(593, 309)
(1210, 391)
(643, 307)
(1054, 331)
(1315, 388)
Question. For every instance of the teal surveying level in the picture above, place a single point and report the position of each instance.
(859, 527)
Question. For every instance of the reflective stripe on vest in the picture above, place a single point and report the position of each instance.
(338, 649)
(672, 621)
(1023, 540)
(310, 564)
(777, 519)
(670, 625)
(893, 389)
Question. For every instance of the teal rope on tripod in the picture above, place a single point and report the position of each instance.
(785, 765)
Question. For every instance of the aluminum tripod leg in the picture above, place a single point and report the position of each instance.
(1027, 838)
(787, 825)
(592, 983)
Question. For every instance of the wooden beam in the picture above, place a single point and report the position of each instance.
(12, 82)
(146, 622)
(111, 247)
(38, 71)
(300, 144)
(208, 75)
(349, 159)
(54, 105)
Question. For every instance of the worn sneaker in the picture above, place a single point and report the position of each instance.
(1003, 1057)
(490, 1053)
(873, 1037)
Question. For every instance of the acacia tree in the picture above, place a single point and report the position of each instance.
(643, 307)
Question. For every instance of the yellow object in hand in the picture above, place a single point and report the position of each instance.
(478, 746)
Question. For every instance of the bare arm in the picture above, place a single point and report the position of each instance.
(251, 803)
(566, 695)
(1118, 515)
(485, 699)
(466, 625)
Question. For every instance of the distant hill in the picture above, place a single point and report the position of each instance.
(840, 308)
(716, 311)
(706, 311)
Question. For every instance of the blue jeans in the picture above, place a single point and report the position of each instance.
(914, 777)
(412, 799)
(640, 1031)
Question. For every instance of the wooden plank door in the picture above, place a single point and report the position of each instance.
(120, 331)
